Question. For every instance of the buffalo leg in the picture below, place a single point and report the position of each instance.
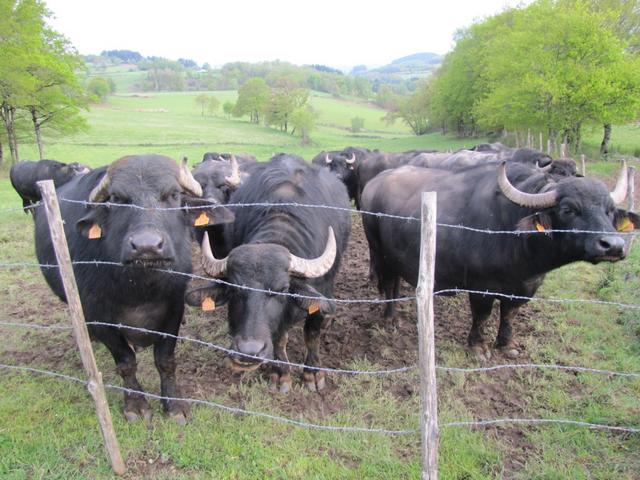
(504, 340)
(281, 375)
(480, 311)
(135, 404)
(390, 288)
(163, 354)
(314, 379)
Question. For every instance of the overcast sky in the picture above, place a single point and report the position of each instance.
(339, 33)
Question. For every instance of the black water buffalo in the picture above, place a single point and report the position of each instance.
(226, 157)
(275, 251)
(483, 197)
(219, 179)
(470, 158)
(343, 164)
(141, 239)
(25, 174)
(377, 161)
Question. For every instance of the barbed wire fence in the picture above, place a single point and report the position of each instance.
(429, 427)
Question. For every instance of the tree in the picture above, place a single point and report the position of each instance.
(227, 108)
(414, 109)
(38, 84)
(202, 101)
(303, 120)
(284, 99)
(98, 88)
(253, 98)
(357, 124)
(213, 105)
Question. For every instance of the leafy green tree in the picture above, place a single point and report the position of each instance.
(98, 88)
(414, 109)
(253, 98)
(202, 101)
(284, 99)
(213, 105)
(38, 83)
(227, 108)
(357, 124)
(303, 121)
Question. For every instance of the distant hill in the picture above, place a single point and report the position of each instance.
(412, 66)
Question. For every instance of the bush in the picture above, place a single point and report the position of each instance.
(357, 124)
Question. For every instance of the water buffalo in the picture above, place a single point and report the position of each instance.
(226, 157)
(25, 174)
(142, 240)
(275, 251)
(484, 197)
(343, 164)
(470, 158)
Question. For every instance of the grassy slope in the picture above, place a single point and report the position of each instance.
(48, 428)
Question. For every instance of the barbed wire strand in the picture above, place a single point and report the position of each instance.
(529, 366)
(298, 423)
(350, 210)
(340, 300)
(219, 406)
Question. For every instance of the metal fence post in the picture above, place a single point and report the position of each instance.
(80, 333)
(426, 340)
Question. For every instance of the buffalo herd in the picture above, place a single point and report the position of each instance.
(272, 250)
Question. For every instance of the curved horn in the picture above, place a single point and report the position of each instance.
(316, 267)
(544, 169)
(186, 180)
(101, 192)
(327, 158)
(234, 179)
(620, 192)
(214, 267)
(530, 200)
(352, 160)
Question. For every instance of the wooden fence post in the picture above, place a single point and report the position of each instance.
(583, 161)
(80, 333)
(631, 192)
(541, 147)
(426, 340)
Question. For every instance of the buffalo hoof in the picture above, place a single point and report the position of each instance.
(315, 381)
(137, 408)
(281, 383)
(510, 351)
(178, 411)
(481, 352)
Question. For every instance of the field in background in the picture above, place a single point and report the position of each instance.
(48, 427)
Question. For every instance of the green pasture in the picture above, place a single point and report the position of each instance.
(48, 428)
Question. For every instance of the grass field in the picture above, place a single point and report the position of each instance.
(48, 428)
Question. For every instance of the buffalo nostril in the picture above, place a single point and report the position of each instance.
(611, 245)
(147, 242)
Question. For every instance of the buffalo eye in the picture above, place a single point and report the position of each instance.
(115, 198)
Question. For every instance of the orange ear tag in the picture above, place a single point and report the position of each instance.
(94, 232)
(540, 227)
(203, 219)
(208, 305)
(625, 225)
(314, 307)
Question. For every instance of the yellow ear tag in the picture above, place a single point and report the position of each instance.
(314, 307)
(540, 227)
(94, 232)
(203, 219)
(208, 305)
(625, 225)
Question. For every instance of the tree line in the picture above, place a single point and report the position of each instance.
(39, 89)
(554, 67)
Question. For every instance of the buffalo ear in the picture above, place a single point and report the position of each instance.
(322, 304)
(539, 221)
(626, 221)
(91, 225)
(203, 213)
(207, 298)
